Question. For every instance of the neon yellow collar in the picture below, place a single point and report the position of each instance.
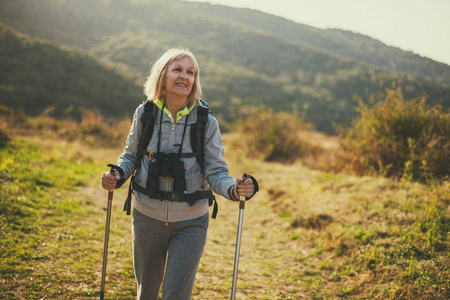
(180, 114)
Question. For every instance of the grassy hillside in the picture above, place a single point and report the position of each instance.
(241, 61)
(307, 234)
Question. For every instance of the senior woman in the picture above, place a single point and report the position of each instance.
(169, 234)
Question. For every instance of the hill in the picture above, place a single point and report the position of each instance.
(339, 42)
(246, 57)
(36, 75)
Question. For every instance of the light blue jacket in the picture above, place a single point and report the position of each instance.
(216, 170)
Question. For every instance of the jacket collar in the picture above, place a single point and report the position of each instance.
(186, 111)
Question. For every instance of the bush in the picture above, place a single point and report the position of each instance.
(272, 136)
(397, 137)
(9, 116)
(4, 138)
(96, 130)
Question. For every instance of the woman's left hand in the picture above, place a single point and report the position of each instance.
(243, 188)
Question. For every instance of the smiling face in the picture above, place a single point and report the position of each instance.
(179, 78)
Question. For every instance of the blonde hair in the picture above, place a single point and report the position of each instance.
(154, 85)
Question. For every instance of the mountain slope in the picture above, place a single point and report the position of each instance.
(340, 42)
(239, 60)
(35, 75)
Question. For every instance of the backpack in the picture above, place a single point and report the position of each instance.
(197, 143)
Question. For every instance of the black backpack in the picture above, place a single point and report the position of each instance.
(197, 143)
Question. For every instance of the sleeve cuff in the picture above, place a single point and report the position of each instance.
(230, 193)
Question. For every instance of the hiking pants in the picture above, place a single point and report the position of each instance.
(180, 243)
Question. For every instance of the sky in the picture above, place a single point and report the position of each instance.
(420, 26)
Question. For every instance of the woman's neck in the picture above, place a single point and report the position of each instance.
(175, 104)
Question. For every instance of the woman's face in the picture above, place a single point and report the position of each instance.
(180, 78)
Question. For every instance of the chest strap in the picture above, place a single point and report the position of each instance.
(179, 197)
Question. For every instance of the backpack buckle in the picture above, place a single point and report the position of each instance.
(150, 154)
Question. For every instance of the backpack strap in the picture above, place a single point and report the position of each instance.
(148, 121)
(198, 144)
(180, 197)
(198, 136)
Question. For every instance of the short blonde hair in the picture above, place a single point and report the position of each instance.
(153, 86)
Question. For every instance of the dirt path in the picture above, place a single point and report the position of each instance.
(265, 260)
(266, 251)
(269, 267)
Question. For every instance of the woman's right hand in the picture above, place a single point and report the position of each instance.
(109, 181)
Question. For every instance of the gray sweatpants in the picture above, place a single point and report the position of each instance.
(181, 243)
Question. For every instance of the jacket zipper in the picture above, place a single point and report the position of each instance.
(170, 150)
(167, 213)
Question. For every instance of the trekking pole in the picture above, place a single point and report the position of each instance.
(105, 247)
(238, 242)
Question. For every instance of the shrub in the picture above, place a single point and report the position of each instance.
(272, 136)
(397, 137)
(96, 130)
(9, 116)
(4, 138)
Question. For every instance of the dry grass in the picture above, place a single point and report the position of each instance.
(308, 234)
(92, 130)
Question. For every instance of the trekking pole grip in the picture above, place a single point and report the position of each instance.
(242, 198)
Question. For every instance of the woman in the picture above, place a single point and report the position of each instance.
(169, 234)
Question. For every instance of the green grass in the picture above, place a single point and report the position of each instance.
(307, 234)
(51, 237)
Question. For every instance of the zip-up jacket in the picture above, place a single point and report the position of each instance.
(216, 174)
